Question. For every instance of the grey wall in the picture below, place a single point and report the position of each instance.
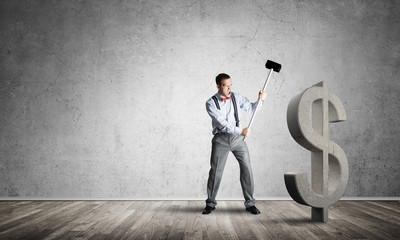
(107, 98)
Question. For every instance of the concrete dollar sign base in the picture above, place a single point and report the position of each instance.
(329, 167)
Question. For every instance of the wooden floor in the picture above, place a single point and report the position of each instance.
(183, 220)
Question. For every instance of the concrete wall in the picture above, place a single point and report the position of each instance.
(107, 98)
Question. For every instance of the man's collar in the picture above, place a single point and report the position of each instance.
(220, 97)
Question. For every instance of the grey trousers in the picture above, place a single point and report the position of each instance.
(222, 144)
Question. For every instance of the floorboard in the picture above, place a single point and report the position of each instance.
(183, 220)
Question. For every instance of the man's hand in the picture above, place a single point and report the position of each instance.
(262, 95)
(246, 132)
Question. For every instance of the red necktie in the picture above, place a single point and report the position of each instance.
(223, 99)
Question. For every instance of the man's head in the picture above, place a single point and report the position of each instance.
(224, 84)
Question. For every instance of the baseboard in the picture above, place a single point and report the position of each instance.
(370, 199)
(183, 199)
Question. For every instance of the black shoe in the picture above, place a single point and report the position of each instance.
(208, 210)
(253, 210)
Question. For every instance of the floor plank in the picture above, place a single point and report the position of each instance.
(183, 220)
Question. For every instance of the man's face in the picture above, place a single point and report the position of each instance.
(225, 88)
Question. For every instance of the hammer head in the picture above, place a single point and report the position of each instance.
(273, 65)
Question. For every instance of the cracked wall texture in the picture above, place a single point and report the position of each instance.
(107, 98)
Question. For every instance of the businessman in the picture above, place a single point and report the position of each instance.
(223, 109)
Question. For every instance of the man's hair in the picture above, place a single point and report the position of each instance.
(220, 77)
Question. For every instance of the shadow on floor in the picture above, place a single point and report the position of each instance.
(196, 209)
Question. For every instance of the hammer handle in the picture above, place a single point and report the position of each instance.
(259, 101)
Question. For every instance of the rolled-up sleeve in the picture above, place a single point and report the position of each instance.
(246, 105)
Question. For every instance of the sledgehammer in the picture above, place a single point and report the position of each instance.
(272, 66)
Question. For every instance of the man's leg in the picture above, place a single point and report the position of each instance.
(219, 154)
(241, 153)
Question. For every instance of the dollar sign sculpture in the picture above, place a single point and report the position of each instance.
(329, 167)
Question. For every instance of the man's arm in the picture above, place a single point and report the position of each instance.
(249, 107)
(220, 119)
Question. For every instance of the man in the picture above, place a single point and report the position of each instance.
(228, 137)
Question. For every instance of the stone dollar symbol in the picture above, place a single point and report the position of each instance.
(329, 167)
